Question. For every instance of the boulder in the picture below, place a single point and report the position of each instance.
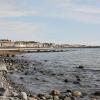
(76, 93)
(3, 67)
(97, 93)
(23, 96)
(56, 98)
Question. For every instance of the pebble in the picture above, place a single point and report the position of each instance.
(67, 98)
(76, 93)
(23, 96)
(55, 98)
(55, 92)
(66, 80)
(2, 91)
(81, 67)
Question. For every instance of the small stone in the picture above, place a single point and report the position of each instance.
(1, 84)
(10, 64)
(14, 94)
(55, 92)
(81, 67)
(23, 96)
(55, 98)
(76, 82)
(31, 98)
(3, 67)
(76, 93)
(2, 91)
(66, 80)
(67, 98)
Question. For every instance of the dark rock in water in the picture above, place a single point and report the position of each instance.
(45, 60)
(66, 80)
(68, 91)
(21, 78)
(97, 93)
(26, 73)
(78, 79)
(76, 82)
(2, 91)
(81, 67)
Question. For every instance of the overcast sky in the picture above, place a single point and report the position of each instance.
(59, 21)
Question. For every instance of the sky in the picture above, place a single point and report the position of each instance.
(57, 21)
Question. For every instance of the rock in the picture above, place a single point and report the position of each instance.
(3, 67)
(49, 97)
(23, 96)
(66, 80)
(55, 92)
(81, 67)
(1, 85)
(76, 93)
(97, 93)
(76, 82)
(14, 94)
(32, 98)
(2, 91)
(67, 98)
(10, 64)
(56, 98)
(78, 79)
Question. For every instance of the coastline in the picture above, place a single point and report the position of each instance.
(17, 92)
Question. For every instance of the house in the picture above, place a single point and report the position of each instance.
(6, 43)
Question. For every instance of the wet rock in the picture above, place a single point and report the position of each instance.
(49, 97)
(2, 91)
(45, 60)
(31, 98)
(67, 98)
(1, 85)
(23, 96)
(10, 63)
(14, 94)
(56, 97)
(76, 82)
(78, 79)
(21, 78)
(76, 93)
(3, 67)
(81, 67)
(55, 92)
(97, 93)
(66, 80)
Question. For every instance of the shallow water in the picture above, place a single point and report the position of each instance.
(48, 71)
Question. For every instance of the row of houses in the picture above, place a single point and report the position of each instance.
(9, 43)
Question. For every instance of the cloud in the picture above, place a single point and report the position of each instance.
(85, 11)
(16, 8)
(19, 27)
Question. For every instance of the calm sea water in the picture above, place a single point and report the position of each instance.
(51, 69)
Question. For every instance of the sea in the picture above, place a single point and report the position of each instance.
(60, 70)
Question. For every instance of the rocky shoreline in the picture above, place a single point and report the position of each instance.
(12, 91)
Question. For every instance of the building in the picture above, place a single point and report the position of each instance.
(6, 43)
